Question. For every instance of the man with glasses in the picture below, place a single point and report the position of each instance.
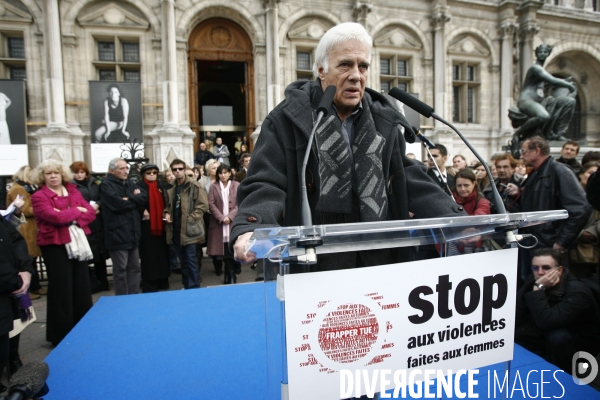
(551, 186)
(122, 225)
(186, 204)
(556, 315)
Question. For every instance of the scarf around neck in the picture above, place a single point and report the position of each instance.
(156, 205)
(338, 185)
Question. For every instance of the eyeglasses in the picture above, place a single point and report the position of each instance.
(151, 173)
(525, 151)
(544, 267)
(178, 169)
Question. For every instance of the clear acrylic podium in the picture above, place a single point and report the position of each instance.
(277, 243)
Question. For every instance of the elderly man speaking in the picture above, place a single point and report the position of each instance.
(357, 170)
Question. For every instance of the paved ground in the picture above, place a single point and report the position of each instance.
(33, 345)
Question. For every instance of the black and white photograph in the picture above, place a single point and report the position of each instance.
(115, 112)
(12, 112)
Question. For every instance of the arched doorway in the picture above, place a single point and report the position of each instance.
(221, 82)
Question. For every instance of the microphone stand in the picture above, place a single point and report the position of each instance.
(311, 240)
(508, 229)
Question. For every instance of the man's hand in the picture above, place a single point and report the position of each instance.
(512, 190)
(549, 280)
(136, 191)
(26, 278)
(168, 218)
(558, 247)
(239, 249)
(586, 237)
(146, 215)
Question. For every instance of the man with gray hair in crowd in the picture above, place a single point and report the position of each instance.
(122, 225)
(357, 170)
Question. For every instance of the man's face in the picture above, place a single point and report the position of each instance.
(122, 170)
(528, 156)
(505, 171)
(459, 163)
(439, 159)
(569, 151)
(178, 171)
(246, 162)
(202, 146)
(219, 141)
(542, 265)
(348, 69)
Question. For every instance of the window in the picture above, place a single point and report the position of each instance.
(12, 56)
(465, 91)
(394, 72)
(118, 59)
(16, 48)
(304, 65)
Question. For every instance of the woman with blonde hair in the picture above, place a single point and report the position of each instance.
(22, 186)
(57, 206)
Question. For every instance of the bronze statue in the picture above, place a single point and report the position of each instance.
(535, 114)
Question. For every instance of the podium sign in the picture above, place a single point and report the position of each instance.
(443, 314)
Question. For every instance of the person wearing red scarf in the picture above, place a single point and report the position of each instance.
(154, 252)
(467, 194)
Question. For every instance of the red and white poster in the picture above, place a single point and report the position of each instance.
(444, 314)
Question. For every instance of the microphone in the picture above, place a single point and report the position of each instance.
(28, 380)
(411, 101)
(428, 112)
(423, 138)
(314, 240)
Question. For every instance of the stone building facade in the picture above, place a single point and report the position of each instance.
(466, 58)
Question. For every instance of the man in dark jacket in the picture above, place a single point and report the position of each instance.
(568, 156)
(185, 206)
(120, 201)
(203, 155)
(557, 315)
(357, 171)
(551, 186)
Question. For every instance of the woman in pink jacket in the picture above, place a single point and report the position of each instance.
(57, 205)
(222, 203)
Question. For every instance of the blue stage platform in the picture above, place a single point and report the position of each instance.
(209, 343)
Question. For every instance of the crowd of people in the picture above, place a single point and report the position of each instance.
(558, 310)
(75, 222)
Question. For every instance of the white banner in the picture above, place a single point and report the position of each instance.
(443, 314)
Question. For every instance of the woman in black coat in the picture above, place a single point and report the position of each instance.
(89, 188)
(153, 249)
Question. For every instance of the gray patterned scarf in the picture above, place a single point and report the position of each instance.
(338, 183)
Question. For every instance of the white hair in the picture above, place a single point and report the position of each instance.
(112, 165)
(338, 34)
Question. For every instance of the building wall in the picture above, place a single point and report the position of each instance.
(471, 33)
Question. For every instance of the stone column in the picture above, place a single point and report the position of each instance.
(506, 32)
(438, 21)
(169, 66)
(361, 11)
(55, 92)
(273, 86)
(53, 140)
(527, 32)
